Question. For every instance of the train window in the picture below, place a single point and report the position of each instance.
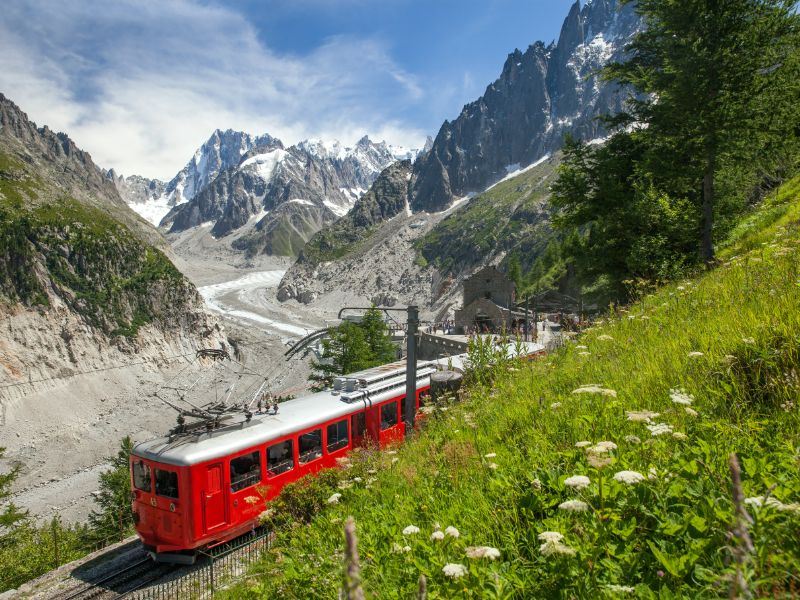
(141, 476)
(310, 447)
(388, 415)
(280, 458)
(337, 436)
(245, 471)
(167, 483)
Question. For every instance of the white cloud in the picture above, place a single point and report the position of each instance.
(141, 85)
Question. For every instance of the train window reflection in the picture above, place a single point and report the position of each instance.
(310, 446)
(337, 436)
(245, 471)
(280, 458)
(141, 476)
(388, 415)
(166, 483)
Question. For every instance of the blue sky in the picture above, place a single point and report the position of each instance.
(141, 84)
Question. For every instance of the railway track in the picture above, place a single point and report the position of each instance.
(119, 582)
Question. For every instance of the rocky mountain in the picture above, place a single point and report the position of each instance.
(541, 94)
(82, 277)
(274, 199)
(518, 123)
(145, 196)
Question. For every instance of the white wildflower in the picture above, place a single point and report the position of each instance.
(605, 338)
(574, 506)
(344, 484)
(681, 397)
(628, 477)
(357, 479)
(678, 435)
(482, 552)
(595, 389)
(398, 549)
(411, 530)
(555, 405)
(620, 589)
(437, 536)
(452, 532)
(582, 444)
(581, 347)
(641, 416)
(492, 465)
(577, 482)
(602, 448)
(395, 459)
(652, 474)
(632, 439)
(334, 499)
(749, 340)
(690, 411)
(490, 455)
(659, 428)
(757, 501)
(550, 548)
(584, 353)
(536, 484)
(550, 536)
(695, 354)
(454, 570)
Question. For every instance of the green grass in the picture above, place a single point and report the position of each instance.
(667, 536)
(507, 217)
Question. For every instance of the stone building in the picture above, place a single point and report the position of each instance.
(488, 302)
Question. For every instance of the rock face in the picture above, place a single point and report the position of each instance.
(541, 94)
(516, 126)
(71, 251)
(275, 199)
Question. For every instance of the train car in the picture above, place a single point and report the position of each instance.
(199, 487)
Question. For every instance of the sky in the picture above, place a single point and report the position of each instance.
(141, 84)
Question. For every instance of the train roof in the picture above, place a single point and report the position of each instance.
(293, 415)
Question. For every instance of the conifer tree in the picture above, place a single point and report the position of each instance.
(114, 520)
(717, 85)
(10, 515)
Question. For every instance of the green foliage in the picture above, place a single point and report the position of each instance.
(351, 347)
(495, 466)
(630, 229)
(10, 515)
(114, 519)
(713, 126)
(91, 260)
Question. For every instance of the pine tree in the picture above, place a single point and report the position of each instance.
(11, 516)
(114, 520)
(717, 80)
(351, 347)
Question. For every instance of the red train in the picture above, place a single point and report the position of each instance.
(193, 490)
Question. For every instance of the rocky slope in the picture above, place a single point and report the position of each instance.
(80, 273)
(276, 198)
(541, 94)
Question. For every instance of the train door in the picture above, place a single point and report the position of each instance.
(214, 498)
(358, 425)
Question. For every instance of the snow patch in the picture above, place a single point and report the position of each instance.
(264, 164)
(339, 211)
(514, 173)
(302, 201)
(153, 210)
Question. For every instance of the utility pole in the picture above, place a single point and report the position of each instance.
(411, 369)
(528, 297)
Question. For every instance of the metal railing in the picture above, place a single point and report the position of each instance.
(212, 571)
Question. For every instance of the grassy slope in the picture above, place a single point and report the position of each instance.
(508, 217)
(667, 536)
(98, 266)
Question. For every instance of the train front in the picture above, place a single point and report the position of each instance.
(160, 503)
